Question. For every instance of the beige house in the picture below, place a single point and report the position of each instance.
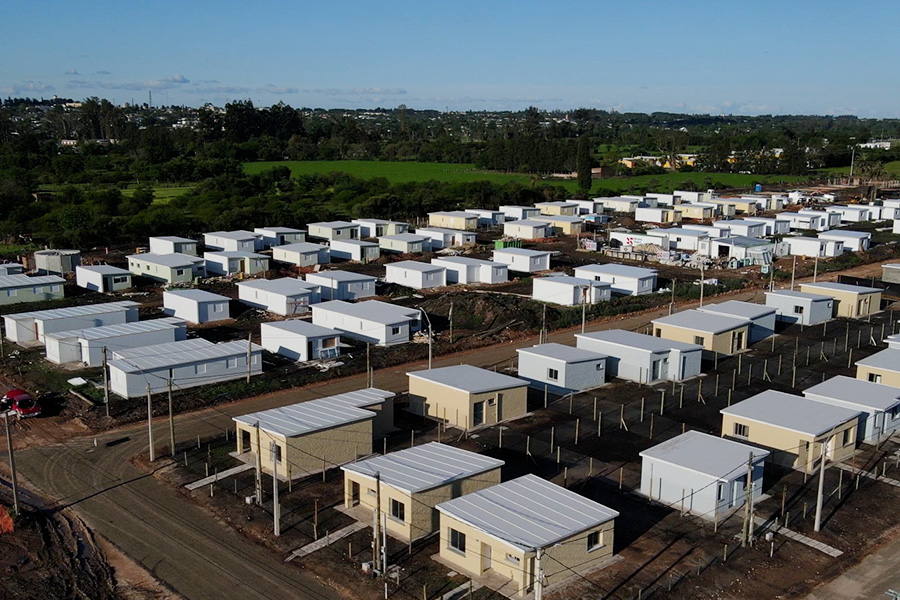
(569, 209)
(793, 428)
(564, 224)
(467, 397)
(524, 527)
(718, 334)
(456, 219)
(697, 211)
(882, 367)
(411, 482)
(851, 301)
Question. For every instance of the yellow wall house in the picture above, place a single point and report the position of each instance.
(523, 527)
(467, 397)
(793, 428)
(454, 220)
(557, 208)
(882, 367)
(718, 334)
(697, 211)
(564, 224)
(411, 482)
(851, 301)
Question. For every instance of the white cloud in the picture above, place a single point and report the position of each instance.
(27, 87)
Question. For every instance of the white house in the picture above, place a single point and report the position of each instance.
(333, 230)
(680, 238)
(656, 214)
(26, 327)
(643, 358)
(234, 263)
(514, 212)
(488, 218)
(878, 405)
(11, 269)
(195, 306)
(414, 274)
(17, 289)
(404, 243)
(172, 244)
(101, 278)
(300, 341)
(376, 228)
(343, 285)
(527, 229)
(851, 214)
(759, 251)
(771, 226)
(446, 238)
(355, 250)
(285, 296)
(302, 255)
(623, 280)
(87, 345)
(814, 246)
(278, 236)
(619, 204)
(631, 238)
(742, 227)
(761, 317)
(800, 307)
(523, 260)
(561, 369)
(189, 363)
(570, 291)
(169, 268)
(717, 229)
(557, 208)
(231, 241)
(371, 321)
(461, 269)
(853, 241)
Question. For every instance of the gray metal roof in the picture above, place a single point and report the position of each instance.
(791, 412)
(301, 248)
(737, 308)
(845, 233)
(842, 287)
(286, 286)
(574, 281)
(736, 223)
(305, 417)
(362, 398)
(706, 454)
(195, 295)
(444, 231)
(405, 237)
(414, 265)
(559, 203)
(103, 269)
(74, 311)
(858, 393)
(888, 360)
(454, 213)
(800, 295)
(342, 276)
(277, 230)
(183, 345)
(566, 354)
(424, 467)
(522, 252)
(304, 328)
(558, 218)
(234, 254)
(174, 260)
(677, 231)
(371, 310)
(465, 260)
(18, 281)
(743, 241)
(638, 341)
(360, 243)
(467, 378)
(241, 235)
(122, 329)
(619, 270)
(333, 224)
(701, 321)
(174, 239)
(173, 354)
(528, 223)
(377, 221)
(528, 512)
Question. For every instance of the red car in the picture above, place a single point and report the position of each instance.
(21, 403)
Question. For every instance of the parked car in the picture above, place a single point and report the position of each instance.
(21, 403)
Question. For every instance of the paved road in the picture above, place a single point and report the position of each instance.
(877, 573)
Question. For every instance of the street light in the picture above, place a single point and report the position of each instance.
(430, 335)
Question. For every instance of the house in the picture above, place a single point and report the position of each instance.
(231, 241)
(793, 428)
(302, 255)
(746, 205)
(643, 358)
(562, 224)
(853, 241)
(404, 243)
(467, 397)
(195, 306)
(561, 369)
(530, 531)
(409, 484)
(522, 259)
(717, 229)
(16, 289)
(355, 250)
(656, 214)
(189, 363)
(414, 274)
(890, 273)
(172, 244)
(570, 291)
(624, 280)
(372, 321)
(702, 474)
(527, 229)
(285, 296)
(27, 327)
(461, 269)
(806, 219)
(851, 214)
(56, 262)
(342, 285)
(488, 218)
(300, 340)
(586, 207)
(745, 228)
(87, 345)
(630, 239)
(378, 228)
(11, 269)
(717, 334)
(514, 212)
(679, 238)
(102, 278)
(851, 301)
(878, 404)
(278, 236)
(814, 246)
(772, 226)
(693, 197)
(756, 251)
(235, 263)
(881, 367)
(446, 238)
(699, 211)
(569, 209)
(800, 307)
(456, 219)
(333, 230)
(619, 204)
(760, 317)
(168, 268)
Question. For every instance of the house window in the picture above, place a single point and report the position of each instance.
(395, 331)
(178, 272)
(741, 430)
(658, 332)
(277, 450)
(55, 288)
(699, 340)
(512, 558)
(254, 359)
(845, 437)
(720, 494)
(12, 293)
(231, 363)
(120, 279)
(199, 369)
(594, 540)
(599, 366)
(218, 307)
(875, 377)
(553, 374)
(371, 492)
(398, 510)
(798, 310)
(457, 540)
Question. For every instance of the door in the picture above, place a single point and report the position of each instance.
(654, 370)
(738, 341)
(354, 493)
(485, 557)
(245, 440)
(478, 414)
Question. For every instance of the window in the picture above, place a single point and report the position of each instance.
(594, 540)
(231, 363)
(699, 340)
(120, 279)
(845, 437)
(55, 288)
(741, 430)
(599, 366)
(798, 310)
(875, 377)
(277, 450)
(371, 492)
(12, 293)
(658, 332)
(513, 559)
(553, 374)
(199, 369)
(457, 540)
(720, 494)
(218, 307)
(254, 359)
(178, 272)
(395, 331)
(398, 510)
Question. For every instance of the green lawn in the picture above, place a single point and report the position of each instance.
(161, 194)
(892, 167)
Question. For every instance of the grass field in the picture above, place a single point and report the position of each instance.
(400, 172)
(161, 194)
(892, 168)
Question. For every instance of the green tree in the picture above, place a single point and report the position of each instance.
(583, 165)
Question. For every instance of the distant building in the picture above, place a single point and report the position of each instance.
(196, 306)
(102, 278)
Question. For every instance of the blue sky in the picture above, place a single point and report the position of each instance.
(725, 56)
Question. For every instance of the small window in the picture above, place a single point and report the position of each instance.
(741, 430)
(720, 494)
(199, 369)
(798, 310)
(12, 293)
(231, 363)
(254, 359)
(512, 558)
(845, 437)
(395, 331)
(699, 340)
(658, 332)
(875, 377)
(457, 540)
(553, 374)
(371, 492)
(218, 308)
(120, 279)
(178, 272)
(55, 288)
(599, 366)
(277, 449)
(594, 540)
(398, 510)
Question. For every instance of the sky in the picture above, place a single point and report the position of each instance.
(828, 57)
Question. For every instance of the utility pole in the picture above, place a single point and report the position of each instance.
(450, 317)
(171, 421)
(543, 325)
(747, 529)
(584, 291)
(819, 494)
(12, 463)
(276, 509)
(538, 575)
(793, 272)
(150, 424)
(258, 467)
(368, 365)
(816, 268)
(376, 525)
(702, 281)
(106, 383)
(249, 354)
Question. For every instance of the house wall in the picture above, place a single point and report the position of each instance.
(878, 375)
(455, 407)
(523, 264)
(720, 343)
(358, 252)
(61, 350)
(91, 351)
(415, 279)
(890, 275)
(301, 259)
(814, 312)
(195, 312)
(134, 385)
(401, 246)
(849, 304)
(872, 425)
(270, 239)
(279, 304)
(453, 222)
(564, 227)
(32, 293)
(628, 286)
(668, 484)
(570, 376)
(525, 232)
(342, 290)
(228, 244)
(295, 346)
(362, 329)
(161, 272)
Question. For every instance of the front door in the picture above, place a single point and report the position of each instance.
(478, 414)
(354, 493)
(245, 440)
(738, 341)
(485, 557)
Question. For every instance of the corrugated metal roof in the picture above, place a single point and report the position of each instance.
(75, 311)
(414, 265)
(791, 412)
(522, 252)
(528, 223)
(574, 281)
(557, 203)
(301, 248)
(286, 286)
(528, 512)
(888, 360)
(845, 233)
(736, 308)
(857, 392)
(639, 341)
(183, 345)
(333, 224)
(743, 241)
(424, 467)
(109, 331)
(195, 295)
(342, 276)
(305, 417)
(558, 219)
(174, 260)
(841, 287)
(567, 354)
(360, 243)
(443, 231)
(372, 310)
(405, 237)
(172, 354)
(103, 269)
(455, 213)
(17, 281)
(362, 398)
(301, 328)
(619, 270)
(464, 260)
(800, 295)
(277, 230)
(174, 239)
(467, 378)
(234, 254)
(240, 235)
(701, 321)
(704, 453)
